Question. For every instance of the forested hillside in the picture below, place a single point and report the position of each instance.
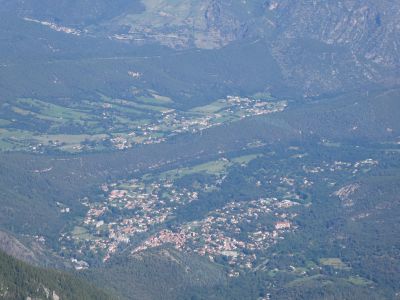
(19, 280)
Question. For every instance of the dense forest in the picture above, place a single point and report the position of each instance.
(19, 280)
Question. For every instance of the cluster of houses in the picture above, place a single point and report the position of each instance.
(132, 209)
(239, 232)
(173, 122)
(220, 233)
(128, 212)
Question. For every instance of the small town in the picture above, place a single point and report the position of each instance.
(133, 214)
(174, 122)
(127, 213)
(220, 234)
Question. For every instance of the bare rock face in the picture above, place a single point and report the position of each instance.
(320, 46)
(369, 28)
(347, 42)
(180, 24)
(218, 28)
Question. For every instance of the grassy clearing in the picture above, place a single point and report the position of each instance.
(335, 263)
(21, 111)
(210, 108)
(226, 119)
(7, 146)
(15, 135)
(122, 120)
(263, 96)
(127, 110)
(246, 158)
(306, 280)
(52, 111)
(87, 120)
(128, 186)
(15, 140)
(332, 145)
(19, 140)
(139, 106)
(215, 167)
(356, 280)
(175, 13)
(81, 233)
(156, 100)
(70, 139)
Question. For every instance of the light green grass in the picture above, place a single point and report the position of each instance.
(156, 100)
(126, 110)
(336, 263)
(210, 108)
(212, 168)
(82, 233)
(69, 138)
(356, 280)
(246, 158)
(53, 111)
(263, 96)
(144, 107)
(21, 111)
(215, 167)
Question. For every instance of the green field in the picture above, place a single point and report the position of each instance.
(90, 125)
(336, 263)
(356, 280)
(142, 107)
(52, 111)
(215, 168)
(211, 108)
(81, 233)
(156, 99)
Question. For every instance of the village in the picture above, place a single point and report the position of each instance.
(220, 234)
(133, 215)
(133, 210)
(174, 122)
(126, 213)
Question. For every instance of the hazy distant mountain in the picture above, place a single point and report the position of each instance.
(320, 46)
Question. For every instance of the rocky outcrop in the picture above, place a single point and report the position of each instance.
(181, 24)
(320, 46)
(331, 45)
(370, 29)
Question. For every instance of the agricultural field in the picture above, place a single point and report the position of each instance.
(38, 126)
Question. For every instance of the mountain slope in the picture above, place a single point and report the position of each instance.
(22, 281)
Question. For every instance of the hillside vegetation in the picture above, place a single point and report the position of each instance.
(19, 280)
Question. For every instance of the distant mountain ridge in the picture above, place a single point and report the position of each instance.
(320, 46)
